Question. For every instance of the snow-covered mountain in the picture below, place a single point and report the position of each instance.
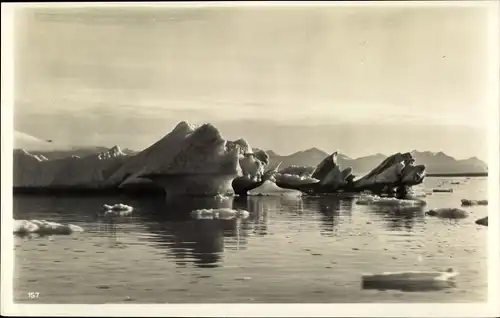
(439, 162)
(113, 152)
(436, 163)
(309, 157)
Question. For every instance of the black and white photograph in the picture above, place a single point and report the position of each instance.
(247, 154)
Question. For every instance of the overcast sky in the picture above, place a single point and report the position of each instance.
(360, 80)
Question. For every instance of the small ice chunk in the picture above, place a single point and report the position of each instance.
(483, 221)
(222, 214)
(44, 227)
(448, 213)
(376, 200)
(466, 202)
(411, 280)
(118, 209)
(269, 188)
(442, 190)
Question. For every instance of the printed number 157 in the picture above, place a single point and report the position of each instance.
(33, 295)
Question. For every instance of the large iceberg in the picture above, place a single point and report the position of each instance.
(396, 169)
(329, 173)
(32, 171)
(192, 160)
(197, 163)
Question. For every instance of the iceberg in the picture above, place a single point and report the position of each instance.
(200, 164)
(190, 160)
(410, 280)
(198, 161)
(152, 158)
(482, 221)
(325, 178)
(31, 171)
(396, 169)
(269, 188)
(329, 173)
(42, 227)
(242, 185)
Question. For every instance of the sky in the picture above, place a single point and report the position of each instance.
(360, 80)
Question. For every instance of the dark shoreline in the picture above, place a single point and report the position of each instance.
(470, 174)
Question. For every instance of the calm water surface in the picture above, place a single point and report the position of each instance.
(313, 249)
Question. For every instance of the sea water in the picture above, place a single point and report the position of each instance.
(309, 249)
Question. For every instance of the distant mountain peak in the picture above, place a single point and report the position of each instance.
(313, 149)
(112, 152)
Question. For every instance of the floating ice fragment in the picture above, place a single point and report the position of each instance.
(376, 200)
(448, 213)
(269, 188)
(466, 202)
(483, 221)
(442, 190)
(118, 209)
(411, 280)
(222, 214)
(44, 227)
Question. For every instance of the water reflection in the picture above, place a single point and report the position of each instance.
(399, 218)
(199, 241)
(333, 212)
(167, 224)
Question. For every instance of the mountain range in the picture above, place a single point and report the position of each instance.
(436, 163)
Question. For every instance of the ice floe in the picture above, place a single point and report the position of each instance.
(448, 213)
(466, 202)
(442, 190)
(222, 214)
(44, 227)
(376, 200)
(411, 280)
(269, 188)
(119, 209)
